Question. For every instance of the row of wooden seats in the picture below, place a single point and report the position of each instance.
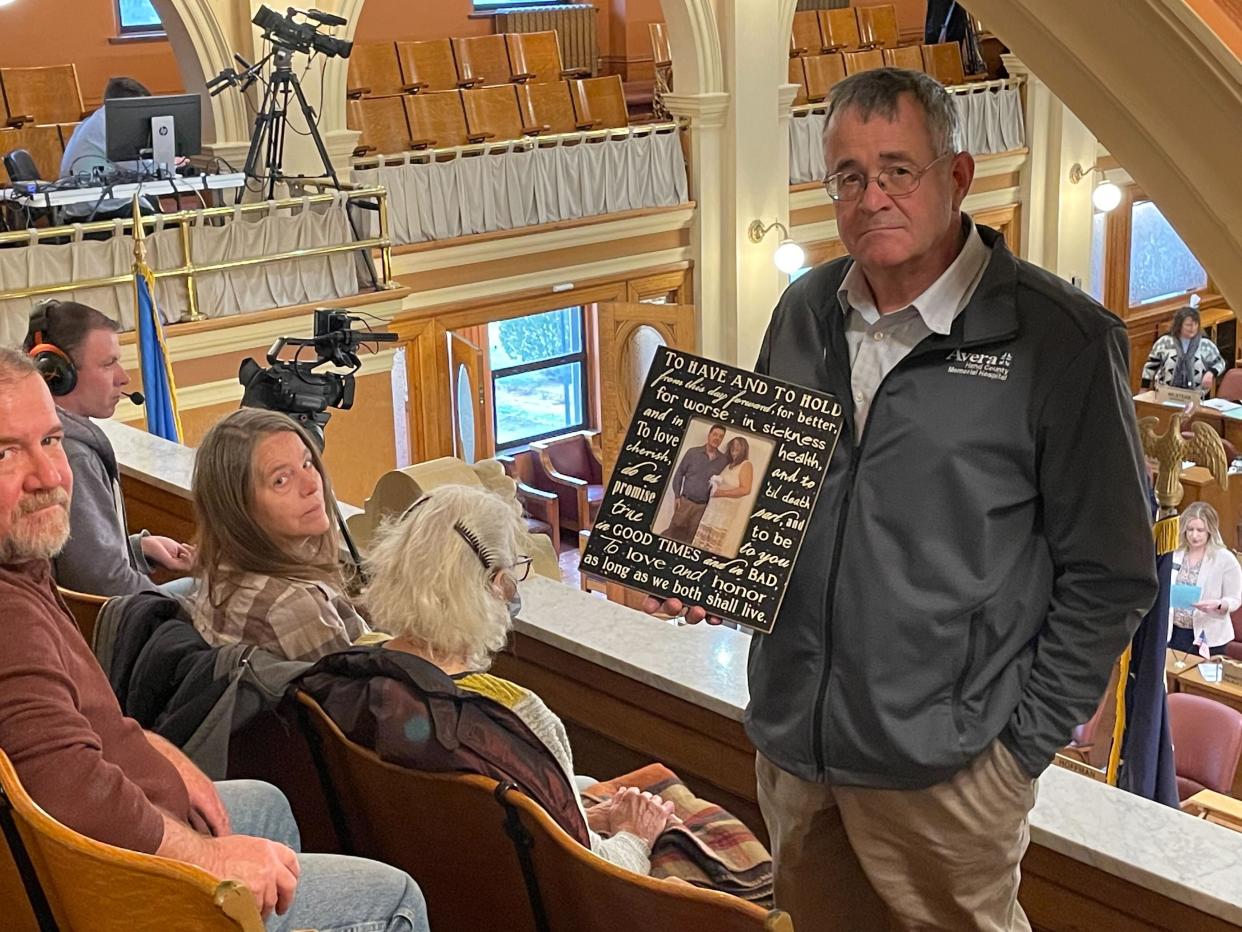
(380, 69)
(467, 826)
(844, 29)
(817, 74)
(46, 94)
(443, 119)
(45, 143)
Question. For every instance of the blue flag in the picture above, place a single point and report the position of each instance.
(1146, 745)
(163, 419)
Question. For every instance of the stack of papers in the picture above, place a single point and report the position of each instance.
(1224, 405)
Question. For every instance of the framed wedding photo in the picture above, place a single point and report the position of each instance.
(711, 493)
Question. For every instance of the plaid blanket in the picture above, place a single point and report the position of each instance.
(710, 849)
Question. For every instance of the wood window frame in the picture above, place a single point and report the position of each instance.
(1116, 265)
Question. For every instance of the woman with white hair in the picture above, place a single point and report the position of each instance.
(444, 584)
(455, 611)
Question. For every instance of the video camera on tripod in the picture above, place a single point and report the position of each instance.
(286, 32)
(293, 387)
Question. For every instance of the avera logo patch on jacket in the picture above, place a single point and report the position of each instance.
(982, 365)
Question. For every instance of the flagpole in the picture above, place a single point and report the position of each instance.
(142, 272)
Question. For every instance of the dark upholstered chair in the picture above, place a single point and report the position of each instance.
(1207, 742)
(1230, 385)
(570, 467)
(541, 510)
(1234, 648)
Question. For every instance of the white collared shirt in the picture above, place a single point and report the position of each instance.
(877, 342)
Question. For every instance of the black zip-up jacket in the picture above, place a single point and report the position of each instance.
(978, 558)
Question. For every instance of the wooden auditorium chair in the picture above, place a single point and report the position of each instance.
(44, 94)
(1207, 743)
(840, 30)
(437, 120)
(85, 884)
(540, 510)
(550, 106)
(863, 61)
(943, 61)
(823, 72)
(661, 50)
(797, 75)
(570, 467)
(877, 26)
(905, 56)
(84, 607)
(374, 70)
(41, 141)
(536, 57)
(482, 60)
(428, 66)
(381, 123)
(493, 114)
(601, 101)
(460, 834)
(805, 38)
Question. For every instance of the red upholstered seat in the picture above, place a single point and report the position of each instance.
(570, 467)
(1230, 385)
(1207, 742)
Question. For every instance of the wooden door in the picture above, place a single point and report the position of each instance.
(469, 415)
(629, 335)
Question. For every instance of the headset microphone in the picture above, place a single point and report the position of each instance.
(136, 397)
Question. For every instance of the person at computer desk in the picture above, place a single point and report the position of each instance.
(87, 150)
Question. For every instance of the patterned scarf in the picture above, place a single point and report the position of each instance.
(1184, 372)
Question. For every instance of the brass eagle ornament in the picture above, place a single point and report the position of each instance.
(1171, 449)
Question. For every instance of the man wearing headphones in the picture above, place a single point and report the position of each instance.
(76, 349)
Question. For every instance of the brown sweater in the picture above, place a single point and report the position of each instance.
(85, 763)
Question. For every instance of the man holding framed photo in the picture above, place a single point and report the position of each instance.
(954, 610)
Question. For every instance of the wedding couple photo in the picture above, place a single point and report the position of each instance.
(708, 501)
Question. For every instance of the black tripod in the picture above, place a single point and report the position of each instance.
(272, 121)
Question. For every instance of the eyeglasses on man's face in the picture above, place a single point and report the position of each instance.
(895, 180)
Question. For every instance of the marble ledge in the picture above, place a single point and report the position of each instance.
(702, 664)
(1188, 860)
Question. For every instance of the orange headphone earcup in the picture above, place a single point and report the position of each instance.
(55, 366)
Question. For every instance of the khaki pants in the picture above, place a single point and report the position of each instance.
(685, 522)
(855, 859)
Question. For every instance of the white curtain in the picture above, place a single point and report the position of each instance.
(220, 294)
(519, 184)
(991, 123)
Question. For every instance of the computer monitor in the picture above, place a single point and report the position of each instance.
(154, 129)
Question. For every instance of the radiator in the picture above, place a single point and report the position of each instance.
(574, 24)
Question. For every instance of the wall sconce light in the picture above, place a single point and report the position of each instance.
(1106, 195)
(789, 255)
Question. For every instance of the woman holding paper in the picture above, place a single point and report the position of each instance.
(1206, 585)
(729, 491)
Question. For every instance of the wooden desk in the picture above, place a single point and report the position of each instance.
(1199, 486)
(1215, 807)
(1171, 670)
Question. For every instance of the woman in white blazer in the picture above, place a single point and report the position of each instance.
(1204, 561)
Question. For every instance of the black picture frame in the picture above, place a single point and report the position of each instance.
(733, 553)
